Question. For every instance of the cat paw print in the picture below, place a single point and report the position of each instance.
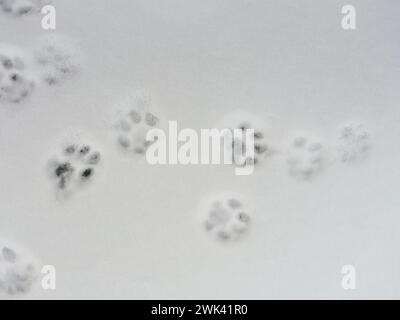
(133, 129)
(133, 121)
(76, 166)
(354, 143)
(57, 58)
(22, 7)
(18, 269)
(15, 82)
(305, 157)
(246, 148)
(226, 217)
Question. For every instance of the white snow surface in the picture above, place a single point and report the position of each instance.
(134, 234)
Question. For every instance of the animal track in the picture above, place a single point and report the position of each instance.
(305, 157)
(354, 143)
(226, 216)
(133, 124)
(15, 82)
(239, 146)
(22, 7)
(18, 269)
(75, 166)
(57, 59)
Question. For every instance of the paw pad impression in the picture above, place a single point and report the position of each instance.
(74, 166)
(18, 269)
(16, 83)
(305, 157)
(226, 216)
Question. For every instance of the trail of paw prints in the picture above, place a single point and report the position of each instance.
(241, 143)
(305, 157)
(75, 165)
(354, 143)
(53, 60)
(18, 269)
(57, 58)
(226, 217)
(133, 123)
(16, 82)
(22, 7)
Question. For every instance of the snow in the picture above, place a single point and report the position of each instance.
(134, 233)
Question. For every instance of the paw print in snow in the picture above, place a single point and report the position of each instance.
(18, 269)
(238, 122)
(133, 129)
(133, 124)
(226, 216)
(74, 167)
(57, 58)
(22, 7)
(15, 82)
(305, 157)
(354, 143)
